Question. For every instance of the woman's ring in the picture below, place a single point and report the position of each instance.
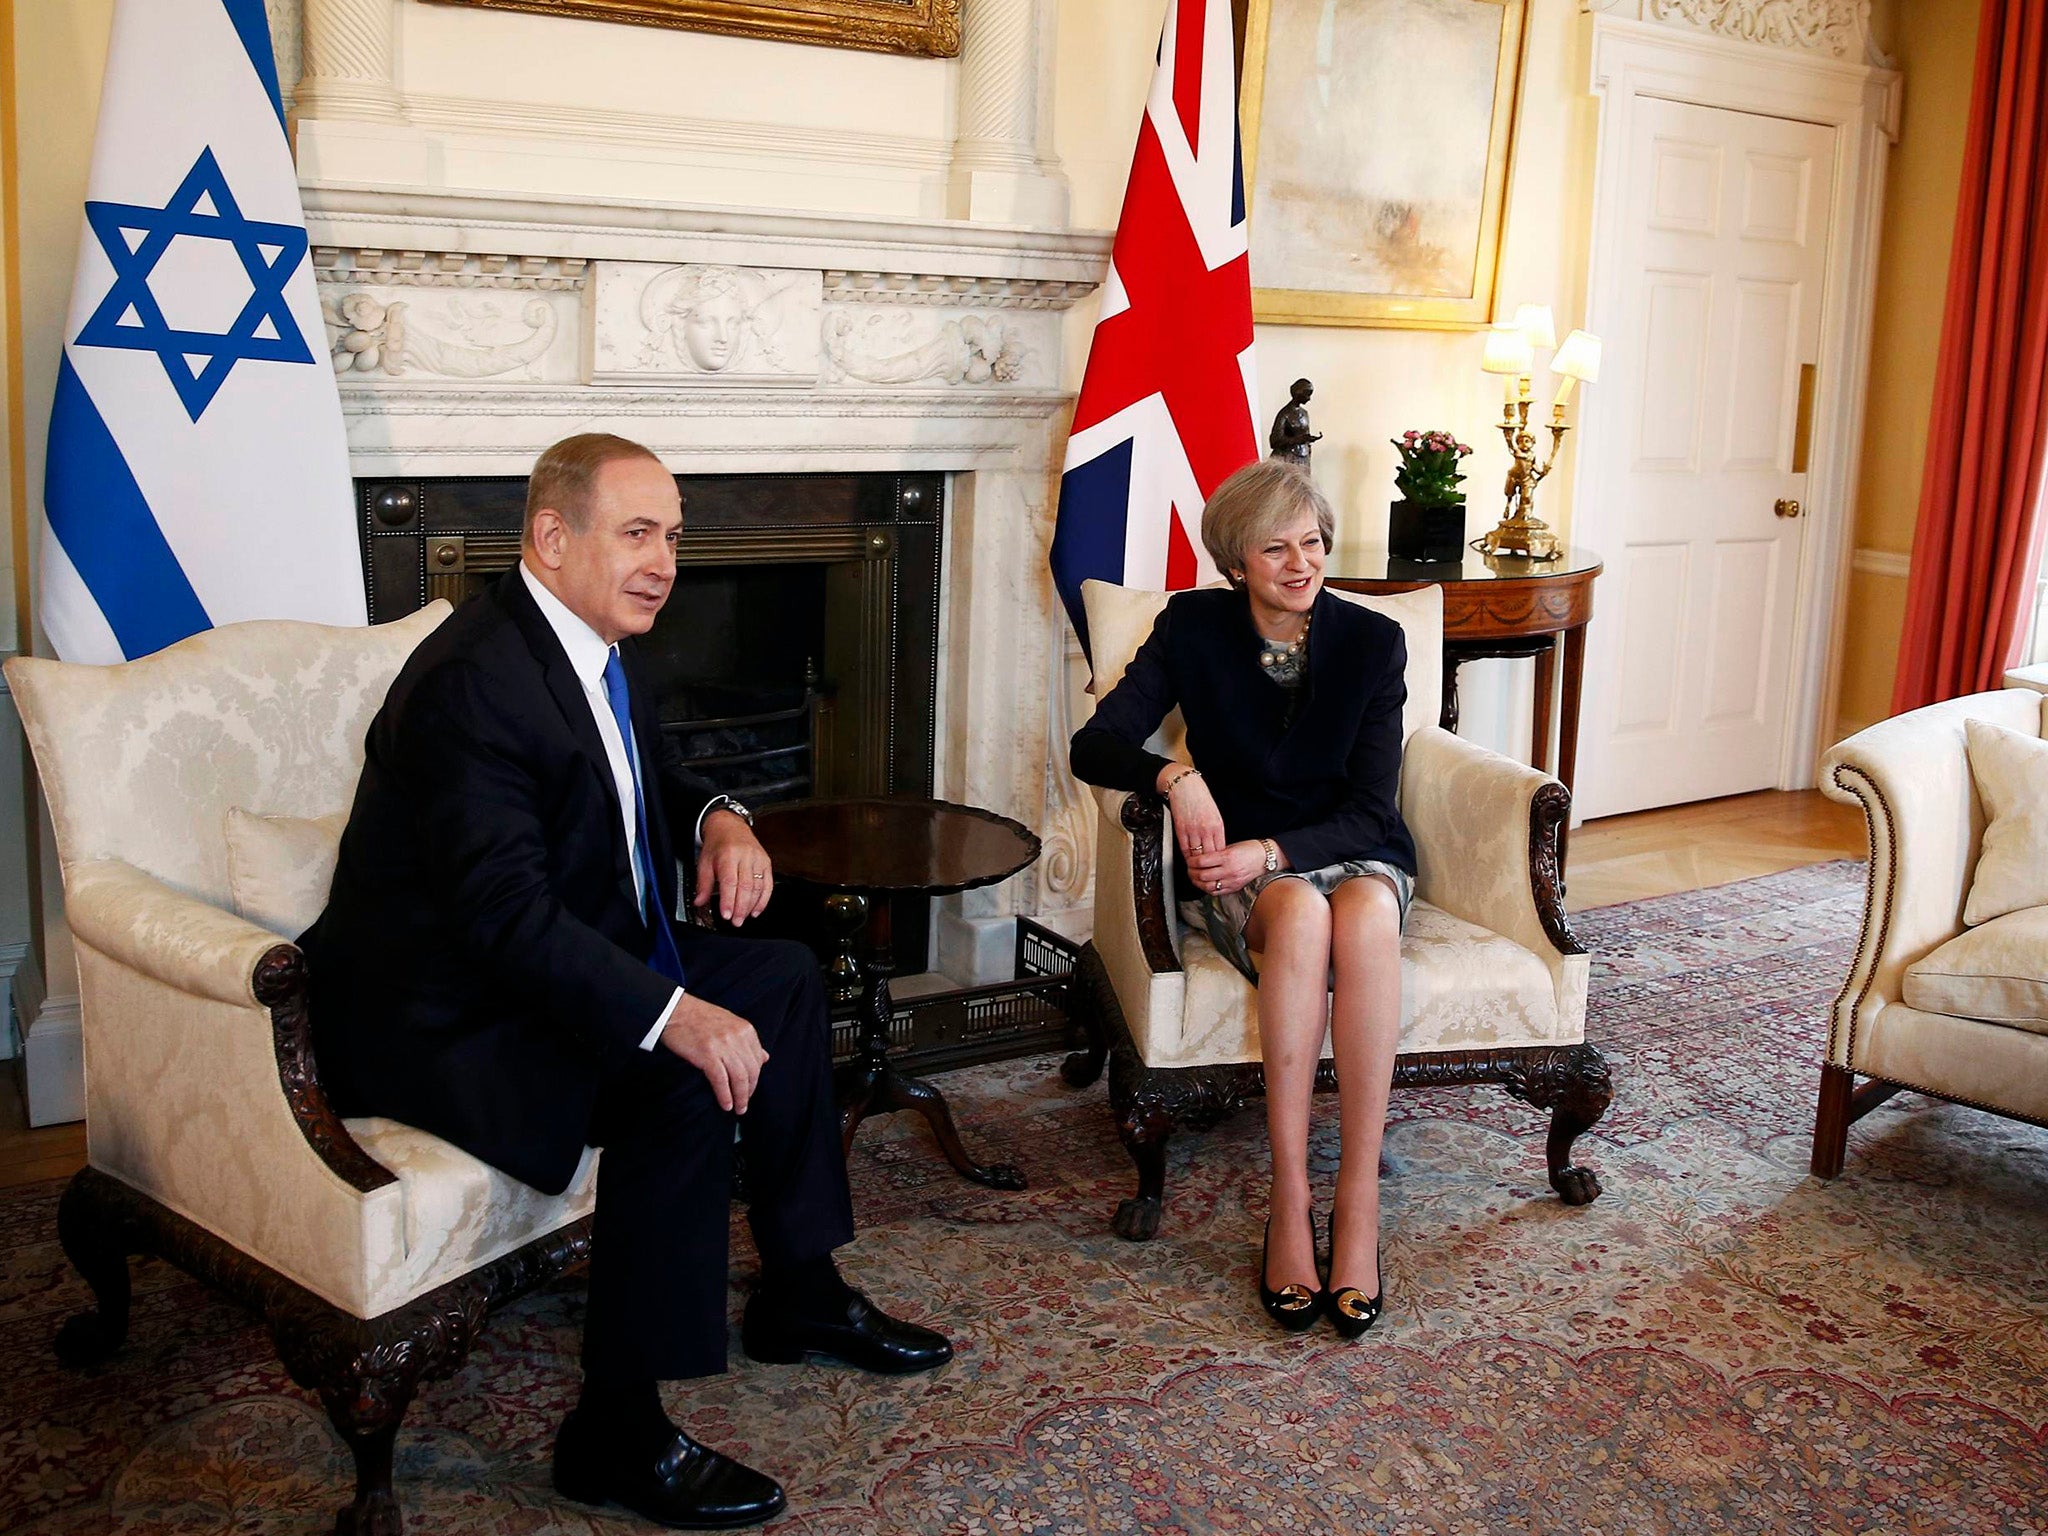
(759, 876)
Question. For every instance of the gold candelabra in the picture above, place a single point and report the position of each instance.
(1511, 352)
(1520, 531)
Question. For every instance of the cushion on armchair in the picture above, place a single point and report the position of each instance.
(2011, 773)
(280, 868)
(1996, 972)
(1462, 989)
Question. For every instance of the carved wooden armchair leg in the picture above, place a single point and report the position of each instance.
(1088, 994)
(1574, 1084)
(97, 1239)
(375, 1510)
(1145, 1124)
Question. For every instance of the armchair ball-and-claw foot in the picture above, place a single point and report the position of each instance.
(1493, 984)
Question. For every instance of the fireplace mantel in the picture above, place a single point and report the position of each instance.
(470, 331)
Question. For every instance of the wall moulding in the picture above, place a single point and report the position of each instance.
(1837, 28)
(902, 254)
(447, 269)
(929, 28)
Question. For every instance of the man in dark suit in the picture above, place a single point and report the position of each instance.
(498, 964)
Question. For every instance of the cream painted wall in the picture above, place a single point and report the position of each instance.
(60, 49)
(1373, 384)
(1935, 42)
(550, 104)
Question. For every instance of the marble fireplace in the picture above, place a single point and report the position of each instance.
(470, 331)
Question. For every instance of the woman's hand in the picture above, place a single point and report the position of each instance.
(1197, 824)
(1228, 869)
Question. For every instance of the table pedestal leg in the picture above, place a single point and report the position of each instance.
(870, 1084)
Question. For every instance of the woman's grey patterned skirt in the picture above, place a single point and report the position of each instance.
(1224, 917)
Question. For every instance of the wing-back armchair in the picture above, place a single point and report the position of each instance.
(373, 1251)
(1929, 1004)
(1493, 985)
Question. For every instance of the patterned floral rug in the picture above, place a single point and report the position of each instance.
(1720, 1343)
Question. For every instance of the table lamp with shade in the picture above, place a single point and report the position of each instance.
(1511, 353)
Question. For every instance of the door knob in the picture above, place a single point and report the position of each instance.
(1786, 508)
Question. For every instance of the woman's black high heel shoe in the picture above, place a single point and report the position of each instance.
(1351, 1310)
(1293, 1307)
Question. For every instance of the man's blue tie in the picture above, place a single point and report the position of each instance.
(665, 960)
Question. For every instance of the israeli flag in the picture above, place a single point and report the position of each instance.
(197, 471)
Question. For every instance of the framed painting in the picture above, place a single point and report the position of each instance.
(927, 27)
(1377, 140)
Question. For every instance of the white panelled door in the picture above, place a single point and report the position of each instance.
(1723, 255)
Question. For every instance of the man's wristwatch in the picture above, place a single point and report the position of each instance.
(727, 803)
(1272, 854)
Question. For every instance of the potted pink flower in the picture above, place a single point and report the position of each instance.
(1428, 522)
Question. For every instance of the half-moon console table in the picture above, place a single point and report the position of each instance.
(1503, 605)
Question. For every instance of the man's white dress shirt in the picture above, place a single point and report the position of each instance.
(587, 657)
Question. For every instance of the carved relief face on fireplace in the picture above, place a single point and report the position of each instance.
(614, 566)
(710, 317)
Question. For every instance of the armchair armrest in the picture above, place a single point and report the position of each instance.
(1136, 932)
(1135, 831)
(1486, 833)
(148, 926)
(199, 976)
(1911, 777)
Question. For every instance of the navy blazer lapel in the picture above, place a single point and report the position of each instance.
(567, 691)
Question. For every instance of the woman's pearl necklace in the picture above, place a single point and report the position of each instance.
(1273, 658)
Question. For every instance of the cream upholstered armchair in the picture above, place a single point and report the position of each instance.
(1930, 1005)
(373, 1251)
(1493, 985)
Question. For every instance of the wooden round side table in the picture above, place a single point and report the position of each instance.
(880, 846)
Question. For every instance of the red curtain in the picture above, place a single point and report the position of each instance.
(1976, 548)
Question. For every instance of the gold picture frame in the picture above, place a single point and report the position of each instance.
(1396, 121)
(928, 28)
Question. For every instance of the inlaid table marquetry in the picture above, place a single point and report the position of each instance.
(1503, 605)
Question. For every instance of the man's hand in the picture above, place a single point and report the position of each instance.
(721, 1045)
(1228, 869)
(734, 867)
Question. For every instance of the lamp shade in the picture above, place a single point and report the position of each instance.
(1508, 351)
(1534, 322)
(1578, 358)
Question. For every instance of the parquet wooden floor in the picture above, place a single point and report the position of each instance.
(1619, 858)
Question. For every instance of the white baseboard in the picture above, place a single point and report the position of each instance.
(53, 1051)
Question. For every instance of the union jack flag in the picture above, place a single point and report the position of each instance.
(1166, 407)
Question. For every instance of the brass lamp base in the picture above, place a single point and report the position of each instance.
(1530, 537)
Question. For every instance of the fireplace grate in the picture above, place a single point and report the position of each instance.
(1021, 1017)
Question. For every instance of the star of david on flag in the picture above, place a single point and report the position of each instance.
(203, 207)
(198, 469)
(1166, 411)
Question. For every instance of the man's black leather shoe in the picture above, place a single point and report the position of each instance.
(683, 1485)
(856, 1333)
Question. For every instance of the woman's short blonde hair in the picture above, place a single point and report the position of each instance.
(1256, 503)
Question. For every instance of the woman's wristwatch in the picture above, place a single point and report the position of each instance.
(1272, 854)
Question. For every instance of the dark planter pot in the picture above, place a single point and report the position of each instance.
(1426, 533)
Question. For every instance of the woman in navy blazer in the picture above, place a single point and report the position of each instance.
(1287, 827)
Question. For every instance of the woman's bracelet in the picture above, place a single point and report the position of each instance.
(1188, 772)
